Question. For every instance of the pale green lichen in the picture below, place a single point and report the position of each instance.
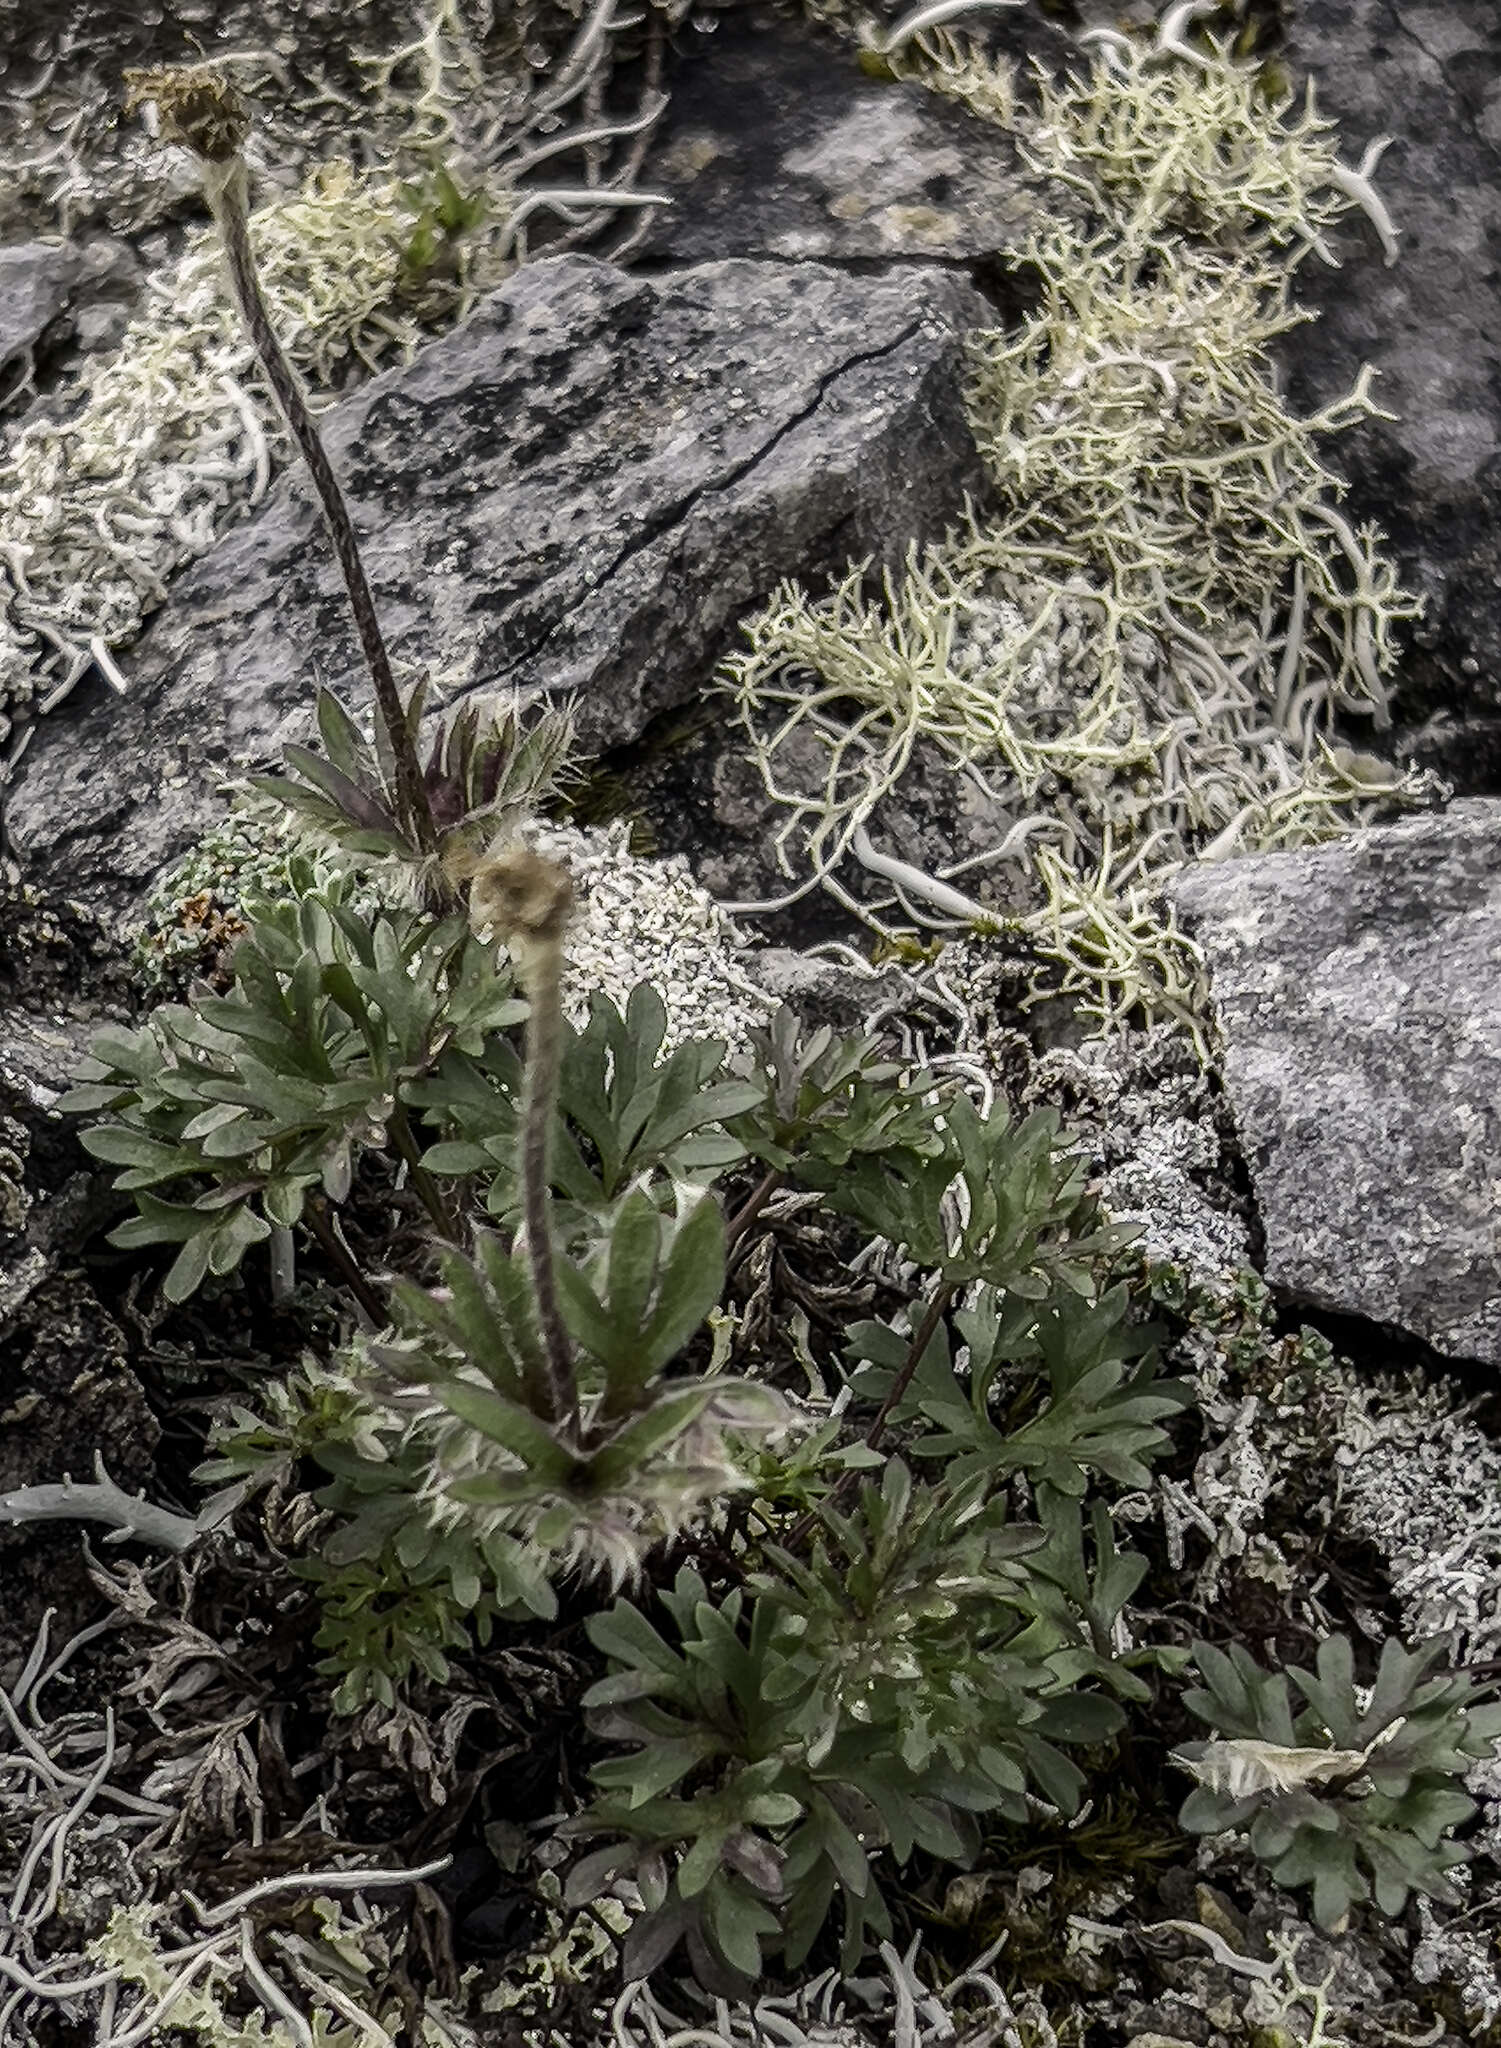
(572, 1951)
(327, 1989)
(1136, 654)
(1204, 148)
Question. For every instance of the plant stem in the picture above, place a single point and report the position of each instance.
(338, 1255)
(942, 1295)
(428, 1191)
(525, 899)
(752, 1206)
(283, 1249)
(226, 186)
(544, 1053)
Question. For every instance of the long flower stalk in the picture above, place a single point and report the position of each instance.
(526, 900)
(201, 109)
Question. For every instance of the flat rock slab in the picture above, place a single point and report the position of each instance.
(579, 491)
(1358, 990)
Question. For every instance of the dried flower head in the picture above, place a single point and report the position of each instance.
(520, 894)
(199, 108)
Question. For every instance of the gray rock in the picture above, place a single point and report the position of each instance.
(776, 144)
(36, 284)
(1462, 750)
(579, 491)
(1358, 990)
(1427, 73)
(820, 991)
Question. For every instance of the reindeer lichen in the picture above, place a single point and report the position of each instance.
(1136, 653)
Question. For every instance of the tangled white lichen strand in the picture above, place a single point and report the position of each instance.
(1138, 653)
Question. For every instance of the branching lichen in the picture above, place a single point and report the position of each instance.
(220, 1972)
(1137, 653)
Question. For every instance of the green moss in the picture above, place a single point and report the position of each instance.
(193, 918)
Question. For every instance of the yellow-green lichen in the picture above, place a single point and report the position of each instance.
(1136, 654)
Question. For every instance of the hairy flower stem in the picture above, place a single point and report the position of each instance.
(427, 1190)
(203, 111)
(544, 1046)
(227, 192)
(527, 900)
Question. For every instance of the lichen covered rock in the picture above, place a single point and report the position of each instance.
(1358, 990)
(579, 491)
(777, 144)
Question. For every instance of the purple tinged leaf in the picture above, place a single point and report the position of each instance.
(358, 805)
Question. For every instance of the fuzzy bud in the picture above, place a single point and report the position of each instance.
(521, 895)
(199, 108)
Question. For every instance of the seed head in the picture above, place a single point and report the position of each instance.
(523, 895)
(199, 108)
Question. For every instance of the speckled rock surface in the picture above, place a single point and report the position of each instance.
(776, 144)
(579, 491)
(1358, 990)
(36, 280)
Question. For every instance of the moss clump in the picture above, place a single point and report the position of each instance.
(194, 917)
